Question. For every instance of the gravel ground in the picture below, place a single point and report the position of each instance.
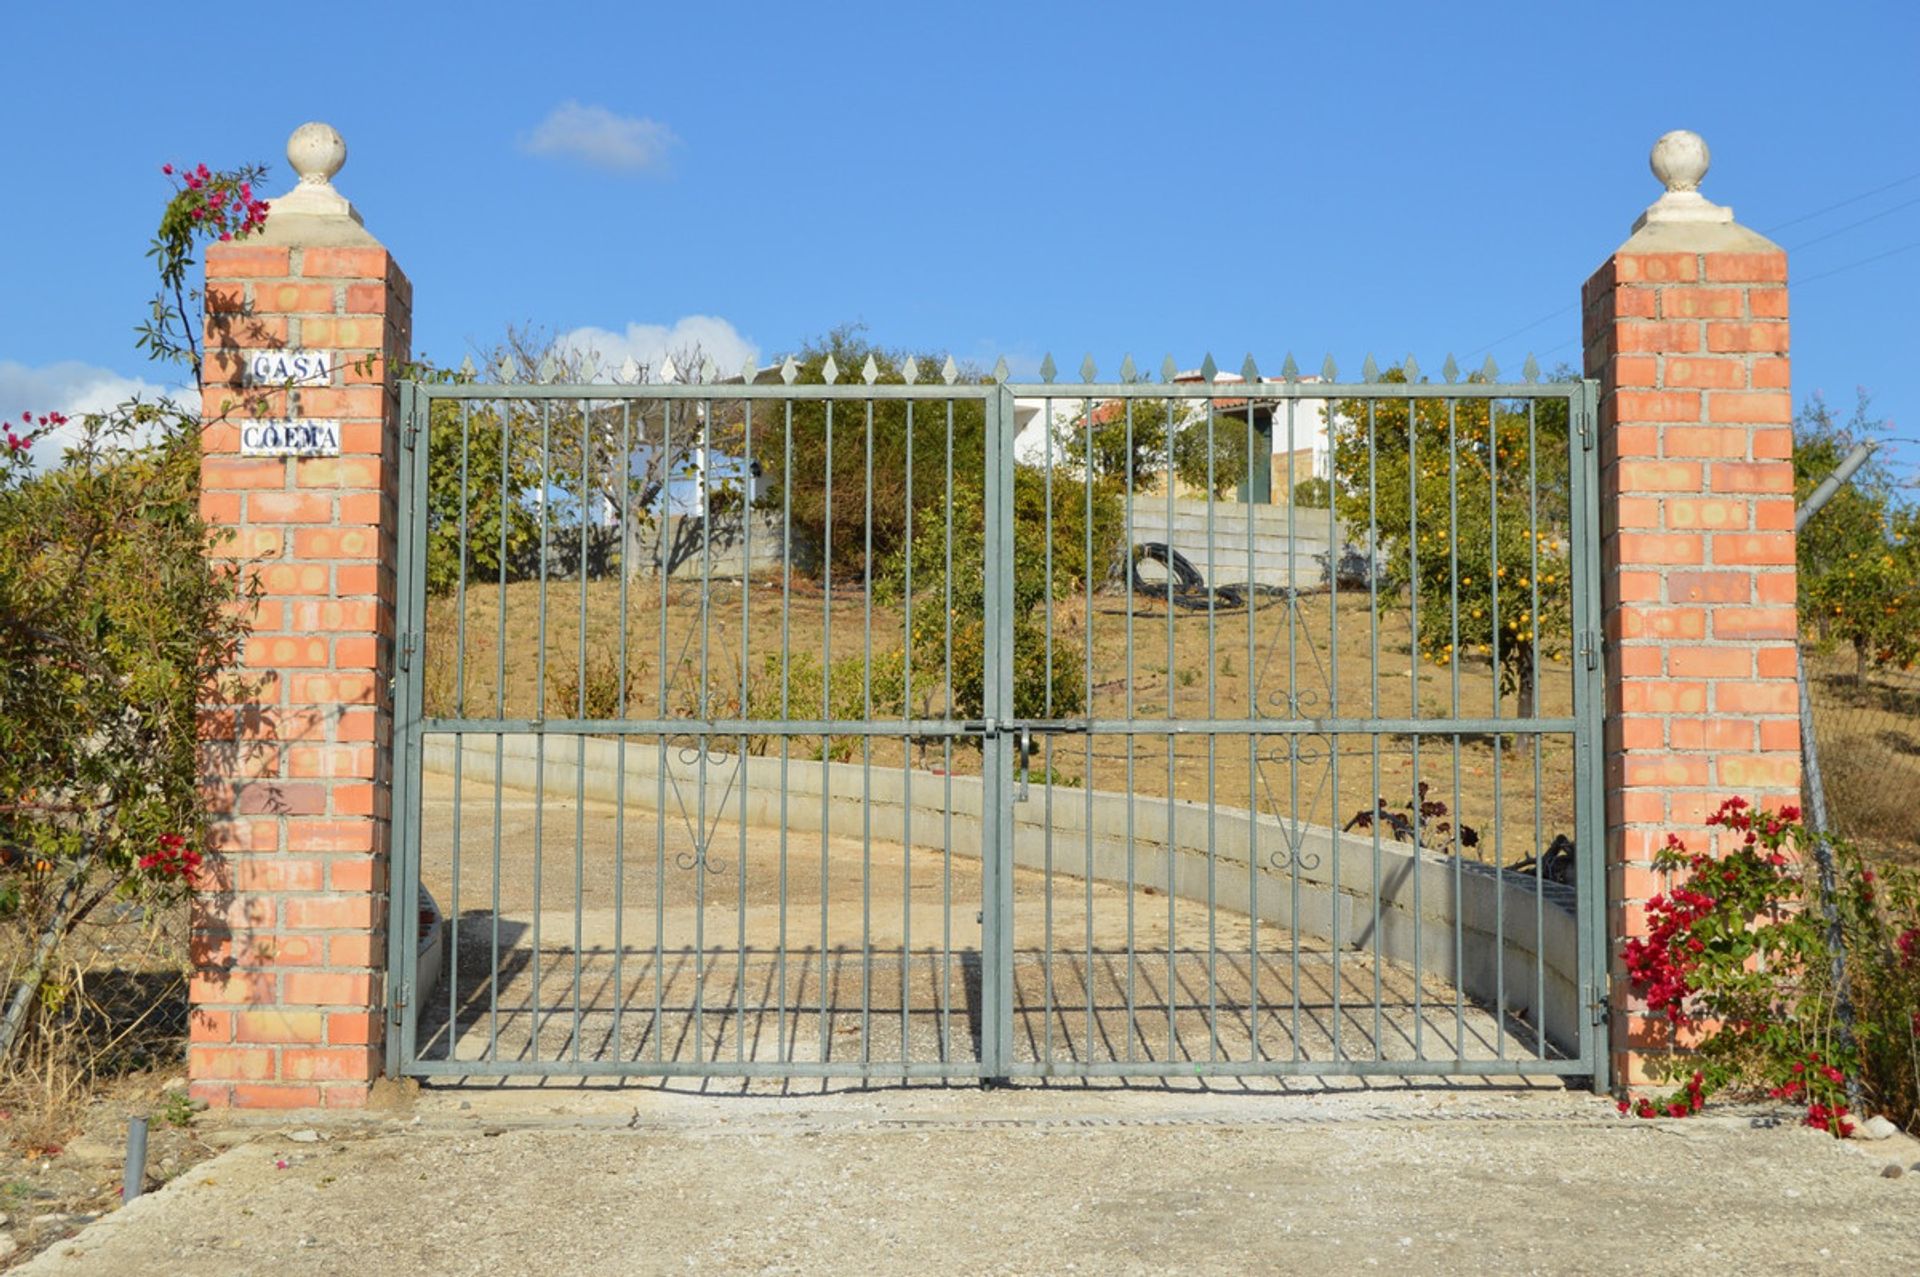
(1028, 1180)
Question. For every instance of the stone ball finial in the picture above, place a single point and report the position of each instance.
(1680, 160)
(316, 151)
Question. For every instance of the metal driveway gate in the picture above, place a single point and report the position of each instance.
(901, 723)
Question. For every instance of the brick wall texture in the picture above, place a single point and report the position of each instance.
(1697, 507)
(289, 944)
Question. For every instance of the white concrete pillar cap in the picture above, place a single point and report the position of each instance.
(316, 151)
(1680, 159)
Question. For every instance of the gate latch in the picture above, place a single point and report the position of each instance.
(1023, 759)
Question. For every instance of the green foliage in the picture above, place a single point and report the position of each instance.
(1742, 953)
(205, 205)
(479, 510)
(1859, 557)
(832, 508)
(1314, 493)
(1125, 442)
(1048, 669)
(1435, 480)
(112, 621)
(800, 688)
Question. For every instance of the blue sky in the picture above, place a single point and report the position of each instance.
(989, 179)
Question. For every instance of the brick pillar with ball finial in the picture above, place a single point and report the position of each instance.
(305, 325)
(1685, 328)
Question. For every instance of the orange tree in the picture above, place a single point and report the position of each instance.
(1470, 500)
(1859, 557)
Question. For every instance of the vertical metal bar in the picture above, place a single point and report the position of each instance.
(620, 748)
(866, 763)
(1373, 665)
(1173, 984)
(1589, 816)
(1253, 746)
(1127, 678)
(580, 742)
(1453, 650)
(786, 710)
(661, 553)
(826, 741)
(1293, 741)
(1213, 713)
(906, 766)
(946, 765)
(452, 921)
(1046, 829)
(1335, 552)
(997, 815)
(1086, 775)
(741, 778)
(702, 841)
(402, 951)
(540, 715)
(1533, 625)
(1413, 671)
(1494, 571)
(499, 738)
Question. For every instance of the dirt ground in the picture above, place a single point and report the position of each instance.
(1029, 1180)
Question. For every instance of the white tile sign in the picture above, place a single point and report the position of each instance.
(301, 438)
(290, 367)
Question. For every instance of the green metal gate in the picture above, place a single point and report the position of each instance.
(912, 724)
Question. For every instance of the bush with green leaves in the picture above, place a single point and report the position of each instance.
(833, 508)
(948, 592)
(116, 623)
(113, 621)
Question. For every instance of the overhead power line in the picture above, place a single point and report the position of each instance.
(1851, 199)
(1864, 261)
(1842, 230)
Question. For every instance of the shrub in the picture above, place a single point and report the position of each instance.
(112, 622)
(1748, 951)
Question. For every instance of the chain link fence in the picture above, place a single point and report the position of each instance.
(1866, 727)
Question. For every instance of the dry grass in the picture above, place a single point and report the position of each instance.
(1314, 659)
(109, 1043)
(1869, 740)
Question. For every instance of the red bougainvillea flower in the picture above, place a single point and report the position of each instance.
(172, 859)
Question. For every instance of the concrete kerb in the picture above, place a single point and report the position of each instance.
(1511, 942)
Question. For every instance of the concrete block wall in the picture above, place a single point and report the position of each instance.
(1286, 542)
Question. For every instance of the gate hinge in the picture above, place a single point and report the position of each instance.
(408, 639)
(1590, 649)
(1586, 429)
(401, 994)
(1600, 1010)
(412, 428)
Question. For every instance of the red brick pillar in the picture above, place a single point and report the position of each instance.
(1686, 330)
(289, 934)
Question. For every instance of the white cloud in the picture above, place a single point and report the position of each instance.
(649, 344)
(600, 139)
(74, 389)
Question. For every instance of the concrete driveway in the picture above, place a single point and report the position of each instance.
(1030, 1180)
